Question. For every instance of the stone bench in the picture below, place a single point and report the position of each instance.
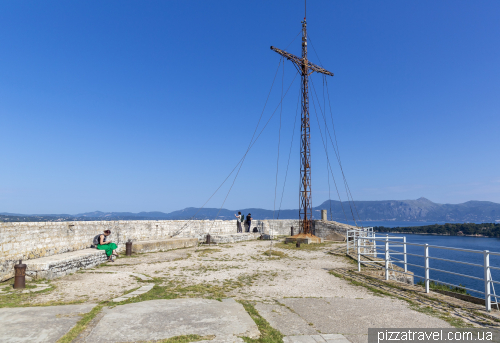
(54, 266)
(51, 267)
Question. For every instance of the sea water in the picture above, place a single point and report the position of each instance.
(463, 242)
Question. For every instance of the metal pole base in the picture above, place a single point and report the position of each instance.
(128, 248)
(20, 275)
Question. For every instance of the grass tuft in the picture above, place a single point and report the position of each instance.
(204, 252)
(186, 339)
(80, 326)
(18, 299)
(268, 334)
(275, 253)
(443, 287)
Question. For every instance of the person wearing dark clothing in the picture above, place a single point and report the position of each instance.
(249, 222)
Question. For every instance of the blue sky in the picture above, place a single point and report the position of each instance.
(148, 106)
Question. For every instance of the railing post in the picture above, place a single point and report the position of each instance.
(386, 257)
(404, 252)
(426, 268)
(374, 245)
(359, 257)
(363, 242)
(347, 245)
(487, 296)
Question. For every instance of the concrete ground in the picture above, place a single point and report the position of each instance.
(300, 273)
(158, 319)
(348, 317)
(293, 291)
(39, 324)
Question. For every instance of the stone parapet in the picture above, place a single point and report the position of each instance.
(331, 230)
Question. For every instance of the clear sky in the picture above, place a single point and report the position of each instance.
(148, 105)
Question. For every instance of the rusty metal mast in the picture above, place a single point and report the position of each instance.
(306, 68)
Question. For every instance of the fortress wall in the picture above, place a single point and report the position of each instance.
(331, 230)
(278, 227)
(30, 240)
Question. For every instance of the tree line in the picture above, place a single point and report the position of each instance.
(467, 229)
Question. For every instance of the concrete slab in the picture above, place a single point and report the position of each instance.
(160, 319)
(163, 245)
(329, 338)
(299, 339)
(284, 320)
(135, 293)
(353, 317)
(333, 337)
(39, 324)
(140, 276)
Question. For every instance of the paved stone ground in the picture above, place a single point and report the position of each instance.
(329, 338)
(159, 319)
(352, 317)
(294, 293)
(445, 305)
(348, 317)
(141, 290)
(39, 324)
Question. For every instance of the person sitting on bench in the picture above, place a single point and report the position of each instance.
(102, 243)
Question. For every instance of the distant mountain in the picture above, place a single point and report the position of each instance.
(421, 209)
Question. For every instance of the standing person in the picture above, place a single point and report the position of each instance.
(104, 244)
(249, 222)
(239, 219)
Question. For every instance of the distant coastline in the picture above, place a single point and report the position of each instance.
(435, 234)
(448, 229)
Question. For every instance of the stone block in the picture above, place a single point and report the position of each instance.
(55, 266)
(167, 244)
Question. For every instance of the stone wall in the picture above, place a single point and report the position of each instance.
(331, 230)
(30, 240)
(279, 227)
(328, 230)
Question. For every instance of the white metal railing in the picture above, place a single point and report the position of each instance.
(360, 247)
(354, 234)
